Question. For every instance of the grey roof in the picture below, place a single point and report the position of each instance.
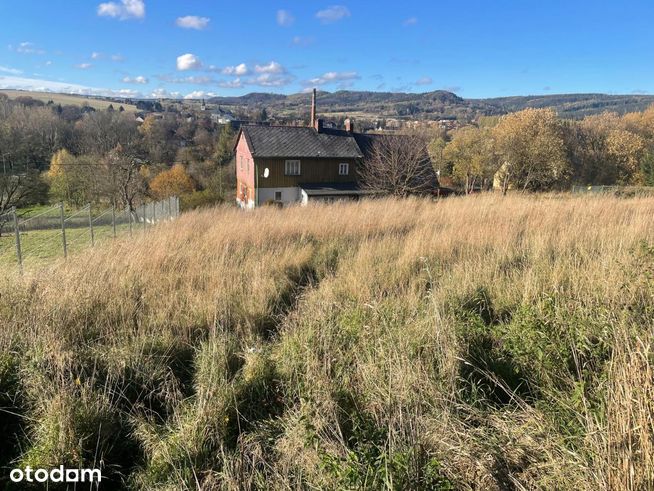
(298, 141)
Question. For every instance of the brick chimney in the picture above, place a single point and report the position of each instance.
(349, 125)
(313, 121)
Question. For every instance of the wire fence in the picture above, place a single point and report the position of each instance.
(615, 190)
(54, 233)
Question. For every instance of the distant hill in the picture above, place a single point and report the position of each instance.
(432, 105)
(96, 102)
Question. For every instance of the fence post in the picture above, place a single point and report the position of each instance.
(144, 222)
(129, 219)
(113, 218)
(154, 212)
(91, 226)
(19, 253)
(63, 228)
(170, 207)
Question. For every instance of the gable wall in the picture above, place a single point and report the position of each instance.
(244, 171)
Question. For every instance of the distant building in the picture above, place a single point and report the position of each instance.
(221, 116)
(298, 164)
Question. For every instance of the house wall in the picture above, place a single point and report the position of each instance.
(245, 191)
(289, 195)
(313, 171)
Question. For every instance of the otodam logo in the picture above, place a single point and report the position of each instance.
(58, 474)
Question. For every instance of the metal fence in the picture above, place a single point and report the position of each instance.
(616, 190)
(53, 232)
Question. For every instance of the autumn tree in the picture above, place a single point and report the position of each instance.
(74, 180)
(160, 138)
(398, 165)
(471, 156)
(172, 182)
(532, 150)
(625, 150)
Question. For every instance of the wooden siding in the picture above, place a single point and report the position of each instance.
(313, 171)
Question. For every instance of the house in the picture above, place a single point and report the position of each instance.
(296, 164)
(221, 116)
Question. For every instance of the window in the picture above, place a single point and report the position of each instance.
(241, 161)
(292, 168)
(278, 195)
(343, 169)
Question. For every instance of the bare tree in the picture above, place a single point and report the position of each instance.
(397, 164)
(16, 190)
(124, 182)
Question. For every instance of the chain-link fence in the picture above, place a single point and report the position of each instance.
(54, 232)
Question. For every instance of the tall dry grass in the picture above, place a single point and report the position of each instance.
(471, 343)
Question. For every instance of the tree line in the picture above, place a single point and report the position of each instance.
(535, 150)
(78, 155)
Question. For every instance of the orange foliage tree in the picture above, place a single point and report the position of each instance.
(172, 182)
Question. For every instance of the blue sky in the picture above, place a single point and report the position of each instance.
(196, 48)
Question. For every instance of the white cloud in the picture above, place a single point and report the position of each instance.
(39, 85)
(27, 48)
(117, 58)
(10, 71)
(188, 62)
(302, 41)
(272, 67)
(135, 80)
(198, 80)
(285, 18)
(126, 9)
(237, 83)
(424, 81)
(48, 63)
(96, 56)
(411, 21)
(238, 70)
(332, 77)
(270, 80)
(193, 22)
(333, 14)
(199, 94)
(83, 66)
(164, 94)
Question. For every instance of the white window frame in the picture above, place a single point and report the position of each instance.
(289, 168)
(347, 169)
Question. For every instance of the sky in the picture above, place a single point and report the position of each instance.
(202, 48)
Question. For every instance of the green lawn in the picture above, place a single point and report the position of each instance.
(40, 247)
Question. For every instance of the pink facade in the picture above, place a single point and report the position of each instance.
(245, 182)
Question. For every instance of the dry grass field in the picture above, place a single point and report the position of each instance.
(64, 99)
(472, 343)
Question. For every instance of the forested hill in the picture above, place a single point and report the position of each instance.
(435, 105)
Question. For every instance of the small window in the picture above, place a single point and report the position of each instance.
(278, 195)
(241, 161)
(292, 168)
(343, 169)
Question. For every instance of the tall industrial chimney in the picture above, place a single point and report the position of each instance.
(312, 123)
